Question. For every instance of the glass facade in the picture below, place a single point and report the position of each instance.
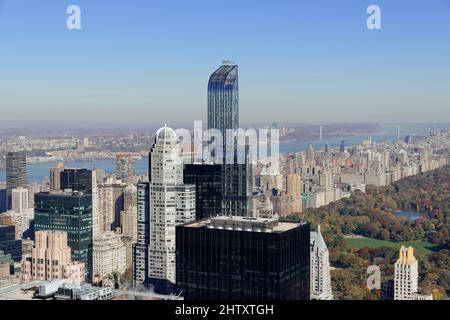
(8, 242)
(208, 188)
(70, 213)
(223, 99)
(3, 201)
(223, 114)
(76, 180)
(221, 264)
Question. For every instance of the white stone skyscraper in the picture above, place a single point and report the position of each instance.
(165, 181)
(406, 277)
(320, 268)
(19, 199)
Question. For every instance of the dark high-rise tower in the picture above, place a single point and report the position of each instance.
(69, 212)
(16, 173)
(208, 182)
(223, 98)
(76, 180)
(240, 258)
(223, 115)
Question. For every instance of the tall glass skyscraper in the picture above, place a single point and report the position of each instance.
(223, 98)
(223, 115)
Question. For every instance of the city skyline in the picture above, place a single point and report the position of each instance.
(319, 171)
(304, 61)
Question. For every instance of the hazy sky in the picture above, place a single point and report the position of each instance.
(141, 60)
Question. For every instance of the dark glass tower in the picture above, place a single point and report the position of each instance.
(69, 212)
(3, 201)
(9, 244)
(16, 173)
(223, 114)
(223, 98)
(238, 258)
(76, 180)
(208, 182)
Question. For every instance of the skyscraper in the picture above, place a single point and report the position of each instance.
(320, 268)
(166, 183)
(207, 179)
(55, 176)
(293, 192)
(19, 198)
(16, 173)
(111, 204)
(223, 115)
(76, 180)
(406, 277)
(242, 258)
(125, 165)
(69, 212)
(223, 98)
(10, 243)
(140, 249)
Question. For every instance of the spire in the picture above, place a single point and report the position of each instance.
(317, 238)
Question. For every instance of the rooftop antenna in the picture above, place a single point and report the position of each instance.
(227, 62)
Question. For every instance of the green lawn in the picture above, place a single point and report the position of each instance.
(419, 246)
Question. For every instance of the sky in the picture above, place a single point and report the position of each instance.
(299, 61)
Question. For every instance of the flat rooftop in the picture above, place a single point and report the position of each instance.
(248, 224)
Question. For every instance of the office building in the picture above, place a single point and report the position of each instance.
(19, 198)
(237, 189)
(125, 165)
(223, 98)
(185, 203)
(55, 176)
(76, 180)
(16, 173)
(320, 268)
(51, 259)
(69, 212)
(223, 115)
(207, 179)
(10, 242)
(3, 200)
(242, 258)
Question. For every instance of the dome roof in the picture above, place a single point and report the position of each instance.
(165, 133)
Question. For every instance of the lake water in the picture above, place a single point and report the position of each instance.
(37, 171)
(411, 215)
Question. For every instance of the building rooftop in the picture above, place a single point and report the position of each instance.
(244, 224)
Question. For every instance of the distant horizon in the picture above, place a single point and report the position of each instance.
(95, 127)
